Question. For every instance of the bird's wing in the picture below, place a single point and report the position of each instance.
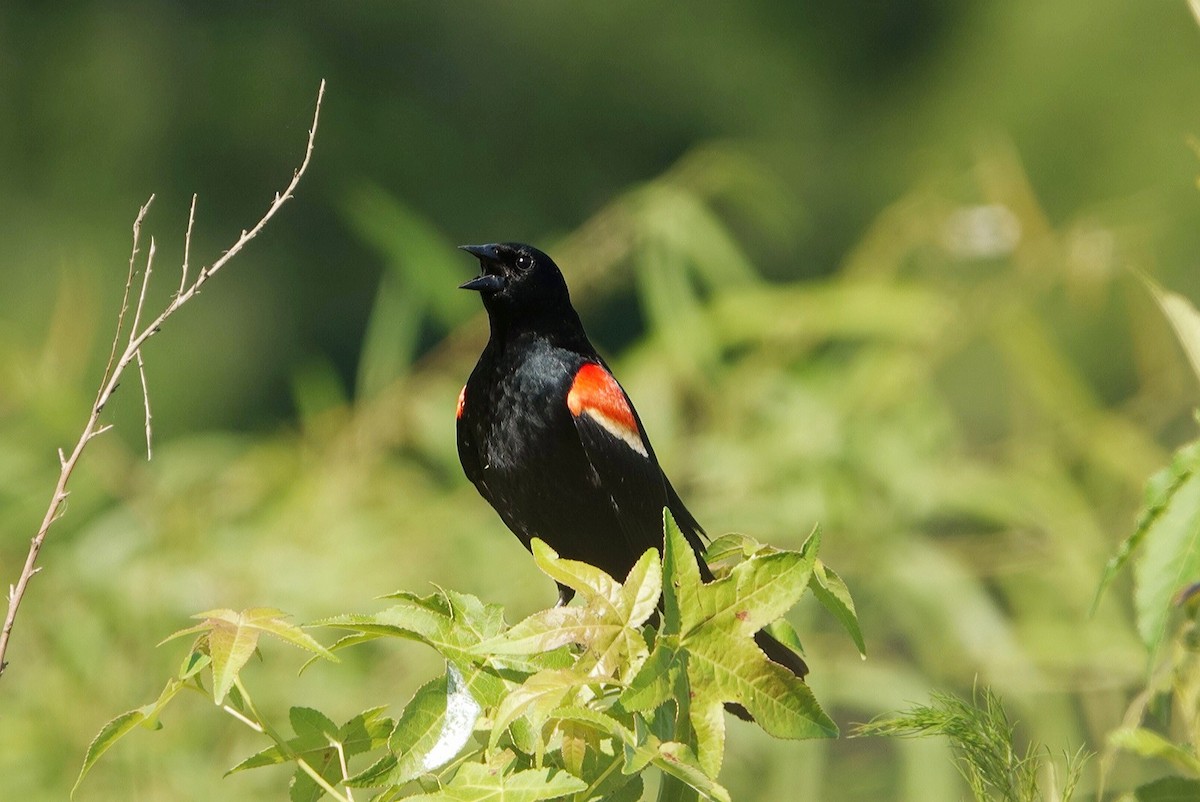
(468, 453)
(619, 451)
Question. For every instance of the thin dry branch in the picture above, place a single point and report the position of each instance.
(138, 335)
(137, 318)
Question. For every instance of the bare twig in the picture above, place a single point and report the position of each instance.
(187, 240)
(138, 335)
(137, 318)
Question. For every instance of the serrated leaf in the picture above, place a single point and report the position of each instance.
(544, 631)
(731, 546)
(655, 681)
(600, 722)
(434, 727)
(579, 576)
(452, 623)
(574, 746)
(230, 645)
(717, 622)
(344, 642)
(1156, 496)
(1148, 743)
(290, 633)
(537, 697)
(117, 728)
(193, 664)
(1168, 789)
(832, 592)
(362, 733)
(475, 782)
(1169, 561)
(232, 638)
(608, 625)
(678, 760)
(316, 734)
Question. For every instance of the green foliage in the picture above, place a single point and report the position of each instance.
(1165, 551)
(571, 701)
(983, 741)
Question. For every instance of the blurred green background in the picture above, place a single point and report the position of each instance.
(866, 264)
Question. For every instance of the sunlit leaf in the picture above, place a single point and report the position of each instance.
(655, 682)
(475, 782)
(114, 730)
(717, 623)
(832, 592)
(537, 697)
(1169, 561)
(678, 760)
(1160, 489)
(452, 623)
(316, 737)
(608, 624)
(231, 637)
(434, 727)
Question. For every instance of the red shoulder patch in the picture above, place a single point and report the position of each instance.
(462, 399)
(595, 393)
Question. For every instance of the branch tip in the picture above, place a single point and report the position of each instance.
(114, 367)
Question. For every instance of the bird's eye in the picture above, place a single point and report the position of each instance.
(524, 262)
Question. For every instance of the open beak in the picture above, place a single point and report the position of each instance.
(485, 282)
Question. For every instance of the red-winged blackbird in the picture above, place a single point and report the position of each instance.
(552, 441)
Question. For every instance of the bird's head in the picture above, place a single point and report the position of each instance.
(517, 282)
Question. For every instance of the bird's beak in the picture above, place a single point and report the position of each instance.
(484, 253)
(485, 282)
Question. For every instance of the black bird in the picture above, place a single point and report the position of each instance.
(549, 438)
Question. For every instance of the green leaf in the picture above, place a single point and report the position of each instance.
(1169, 561)
(608, 625)
(231, 638)
(673, 758)
(579, 576)
(655, 682)
(475, 782)
(344, 642)
(537, 697)
(452, 623)
(434, 727)
(678, 760)
(1148, 743)
(1184, 319)
(315, 742)
(113, 731)
(717, 623)
(599, 721)
(832, 592)
(1168, 789)
(193, 664)
(1160, 488)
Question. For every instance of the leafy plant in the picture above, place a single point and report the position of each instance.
(574, 701)
(1163, 721)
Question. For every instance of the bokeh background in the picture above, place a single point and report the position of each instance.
(867, 264)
